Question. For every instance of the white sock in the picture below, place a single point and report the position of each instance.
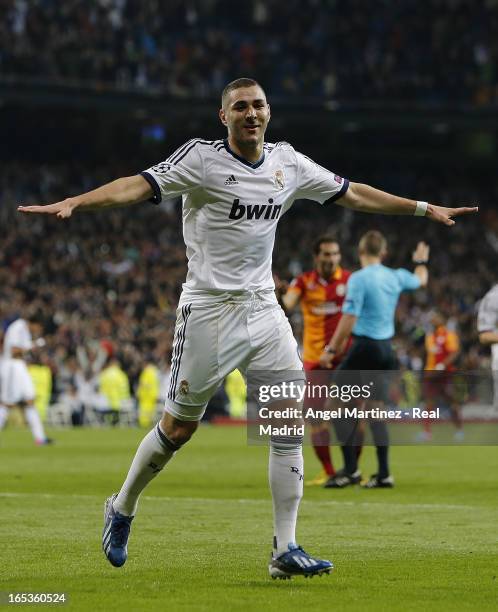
(286, 484)
(152, 455)
(4, 414)
(34, 422)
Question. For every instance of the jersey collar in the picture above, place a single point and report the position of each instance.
(241, 159)
(337, 275)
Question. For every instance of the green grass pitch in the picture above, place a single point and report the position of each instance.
(202, 537)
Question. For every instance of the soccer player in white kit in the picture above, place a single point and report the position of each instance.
(234, 193)
(487, 326)
(16, 386)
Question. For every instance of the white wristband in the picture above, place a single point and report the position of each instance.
(421, 209)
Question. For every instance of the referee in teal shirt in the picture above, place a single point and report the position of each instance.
(368, 314)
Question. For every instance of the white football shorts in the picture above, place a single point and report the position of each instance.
(16, 385)
(218, 333)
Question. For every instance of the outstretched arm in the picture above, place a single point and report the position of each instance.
(121, 192)
(368, 199)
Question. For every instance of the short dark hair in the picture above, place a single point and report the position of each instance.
(317, 245)
(436, 312)
(373, 243)
(238, 84)
(36, 316)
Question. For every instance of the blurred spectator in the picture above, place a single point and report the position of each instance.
(148, 393)
(41, 375)
(114, 387)
(437, 51)
(235, 388)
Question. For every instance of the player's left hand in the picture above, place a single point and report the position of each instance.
(442, 214)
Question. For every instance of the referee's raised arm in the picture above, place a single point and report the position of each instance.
(420, 258)
(121, 192)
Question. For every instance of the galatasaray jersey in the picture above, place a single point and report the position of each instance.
(231, 207)
(439, 345)
(321, 303)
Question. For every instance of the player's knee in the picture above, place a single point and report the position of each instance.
(179, 432)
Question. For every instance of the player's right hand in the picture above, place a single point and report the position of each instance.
(326, 360)
(62, 209)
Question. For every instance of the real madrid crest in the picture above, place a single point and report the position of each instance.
(183, 389)
(279, 179)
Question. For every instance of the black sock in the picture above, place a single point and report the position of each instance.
(381, 440)
(382, 458)
(350, 461)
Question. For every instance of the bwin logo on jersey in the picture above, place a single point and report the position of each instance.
(255, 211)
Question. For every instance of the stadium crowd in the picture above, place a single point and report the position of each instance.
(108, 283)
(438, 51)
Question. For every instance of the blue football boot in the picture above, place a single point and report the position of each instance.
(116, 533)
(297, 562)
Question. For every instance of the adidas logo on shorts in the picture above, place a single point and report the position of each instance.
(231, 180)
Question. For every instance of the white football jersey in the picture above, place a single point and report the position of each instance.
(231, 207)
(487, 319)
(17, 335)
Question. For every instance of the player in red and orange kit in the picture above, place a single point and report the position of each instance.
(442, 348)
(321, 293)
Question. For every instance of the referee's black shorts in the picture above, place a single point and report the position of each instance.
(367, 354)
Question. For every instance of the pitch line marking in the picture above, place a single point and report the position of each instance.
(306, 502)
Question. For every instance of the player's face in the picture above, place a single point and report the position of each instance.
(328, 258)
(246, 114)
